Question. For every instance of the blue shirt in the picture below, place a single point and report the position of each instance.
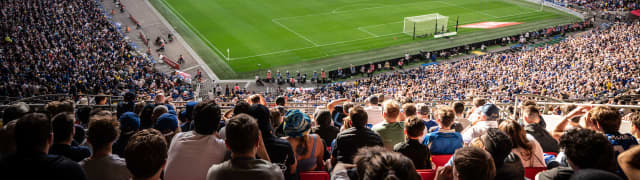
(443, 142)
(430, 123)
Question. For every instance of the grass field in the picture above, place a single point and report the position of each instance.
(307, 35)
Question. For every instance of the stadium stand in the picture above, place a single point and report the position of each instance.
(69, 75)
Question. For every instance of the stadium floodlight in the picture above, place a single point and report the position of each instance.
(425, 24)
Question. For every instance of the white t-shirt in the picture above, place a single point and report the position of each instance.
(477, 130)
(191, 155)
(107, 168)
(375, 114)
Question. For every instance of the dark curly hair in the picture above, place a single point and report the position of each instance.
(586, 148)
(375, 163)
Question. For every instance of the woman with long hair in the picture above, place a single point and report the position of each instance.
(524, 145)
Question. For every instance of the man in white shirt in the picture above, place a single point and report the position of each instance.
(373, 110)
(103, 165)
(488, 118)
(192, 153)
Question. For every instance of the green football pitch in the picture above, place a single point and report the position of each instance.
(234, 36)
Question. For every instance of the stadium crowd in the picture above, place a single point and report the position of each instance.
(377, 141)
(592, 64)
(606, 5)
(71, 47)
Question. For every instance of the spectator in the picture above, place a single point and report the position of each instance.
(634, 118)
(445, 140)
(350, 140)
(498, 144)
(7, 136)
(524, 145)
(408, 110)
(309, 149)
(187, 121)
(374, 111)
(607, 120)
(475, 113)
(390, 130)
(324, 129)
(338, 113)
(469, 163)
(63, 131)
(243, 139)
(458, 107)
(185, 160)
(277, 120)
(584, 149)
(412, 148)
(158, 111)
(377, 163)
(56, 107)
(146, 154)
(14, 112)
(423, 113)
(279, 150)
(34, 136)
(128, 105)
(103, 132)
(167, 124)
(146, 120)
(533, 128)
(527, 103)
(129, 125)
(487, 118)
(629, 162)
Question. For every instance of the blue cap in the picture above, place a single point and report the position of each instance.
(167, 122)
(491, 111)
(129, 121)
(296, 123)
(170, 108)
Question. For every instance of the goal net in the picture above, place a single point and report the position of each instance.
(425, 24)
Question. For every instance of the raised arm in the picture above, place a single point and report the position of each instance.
(559, 130)
(332, 105)
(626, 158)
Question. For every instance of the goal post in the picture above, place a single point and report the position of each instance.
(425, 24)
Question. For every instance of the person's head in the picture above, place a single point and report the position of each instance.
(517, 134)
(531, 114)
(167, 123)
(477, 102)
(489, 112)
(241, 107)
(129, 122)
(528, 103)
(594, 174)
(63, 129)
(254, 99)
(390, 110)
(206, 117)
(497, 143)
(634, 118)
(129, 97)
(586, 148)
(280, 101)
(103, 132)
(372, 100)
(458, 107)
(157, 112)
(146, 116)
(101, 100)
(242, 135)
(276, 118)
(139, 107)
(56, 107)
(33, 133)
(296, 123)
(262, 115)
(346, 107)
(422, 110)
(445, 117)
(409, 109)
(323, 118)
(414, 127)
(189, 108)
(83, 114)
(146, 154)
(606, 118)
(14, 112)
(473, 163)
(377, 163)
(358, 117)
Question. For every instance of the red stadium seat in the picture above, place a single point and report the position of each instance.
(314, 175)
(427, 174)
(440, 160)
(531, 172)
(551, 153)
